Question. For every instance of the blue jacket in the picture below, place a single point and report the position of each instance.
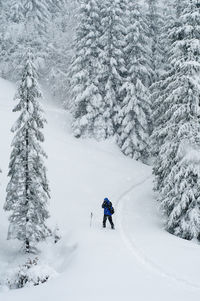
(106, 205)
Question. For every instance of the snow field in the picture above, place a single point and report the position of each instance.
(138, 261)
(159, 251)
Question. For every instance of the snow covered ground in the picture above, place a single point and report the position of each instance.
(138, 261)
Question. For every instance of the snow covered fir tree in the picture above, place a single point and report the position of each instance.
(98, 68)
(112, 59)
(87, 101)
(134, 109)
(177, 166)
(28, 190)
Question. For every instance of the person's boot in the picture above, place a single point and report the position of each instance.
(113, 227)
(104, 226)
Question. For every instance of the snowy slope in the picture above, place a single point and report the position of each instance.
(139, 261)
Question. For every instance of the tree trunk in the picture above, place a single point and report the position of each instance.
(27, 244)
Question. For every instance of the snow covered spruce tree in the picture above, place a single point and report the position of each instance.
(157, 89)
(98, 68)
(161, 90)
(112, 58)
(37, 18)
(28, 191)
(61, 36)
(87, 103)
(134, 112)
(178, 176)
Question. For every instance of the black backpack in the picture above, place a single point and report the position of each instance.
(112, 211)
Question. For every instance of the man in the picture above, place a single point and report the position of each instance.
(108, 211)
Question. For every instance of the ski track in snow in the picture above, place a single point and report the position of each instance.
(137, 252)
(131, 189)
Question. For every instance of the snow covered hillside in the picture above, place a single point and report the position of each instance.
(138, 261)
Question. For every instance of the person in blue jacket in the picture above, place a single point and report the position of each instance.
(108, 211)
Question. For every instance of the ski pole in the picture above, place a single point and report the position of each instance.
(91, 216)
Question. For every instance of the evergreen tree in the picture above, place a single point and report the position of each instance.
(158, 88)
(28, 191)
(162, 89)
(112, 59)
(178, 172)
(181, 196)
(57, 64)
(134, 114)
(86, 104)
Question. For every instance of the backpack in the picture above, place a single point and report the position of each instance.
(112, 211)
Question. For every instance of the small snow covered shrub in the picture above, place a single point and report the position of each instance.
(29, 274)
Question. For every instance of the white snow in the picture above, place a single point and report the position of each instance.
(138, 261)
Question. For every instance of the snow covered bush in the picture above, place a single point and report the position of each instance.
(29, 274)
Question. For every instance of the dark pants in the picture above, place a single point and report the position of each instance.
(110, 220)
